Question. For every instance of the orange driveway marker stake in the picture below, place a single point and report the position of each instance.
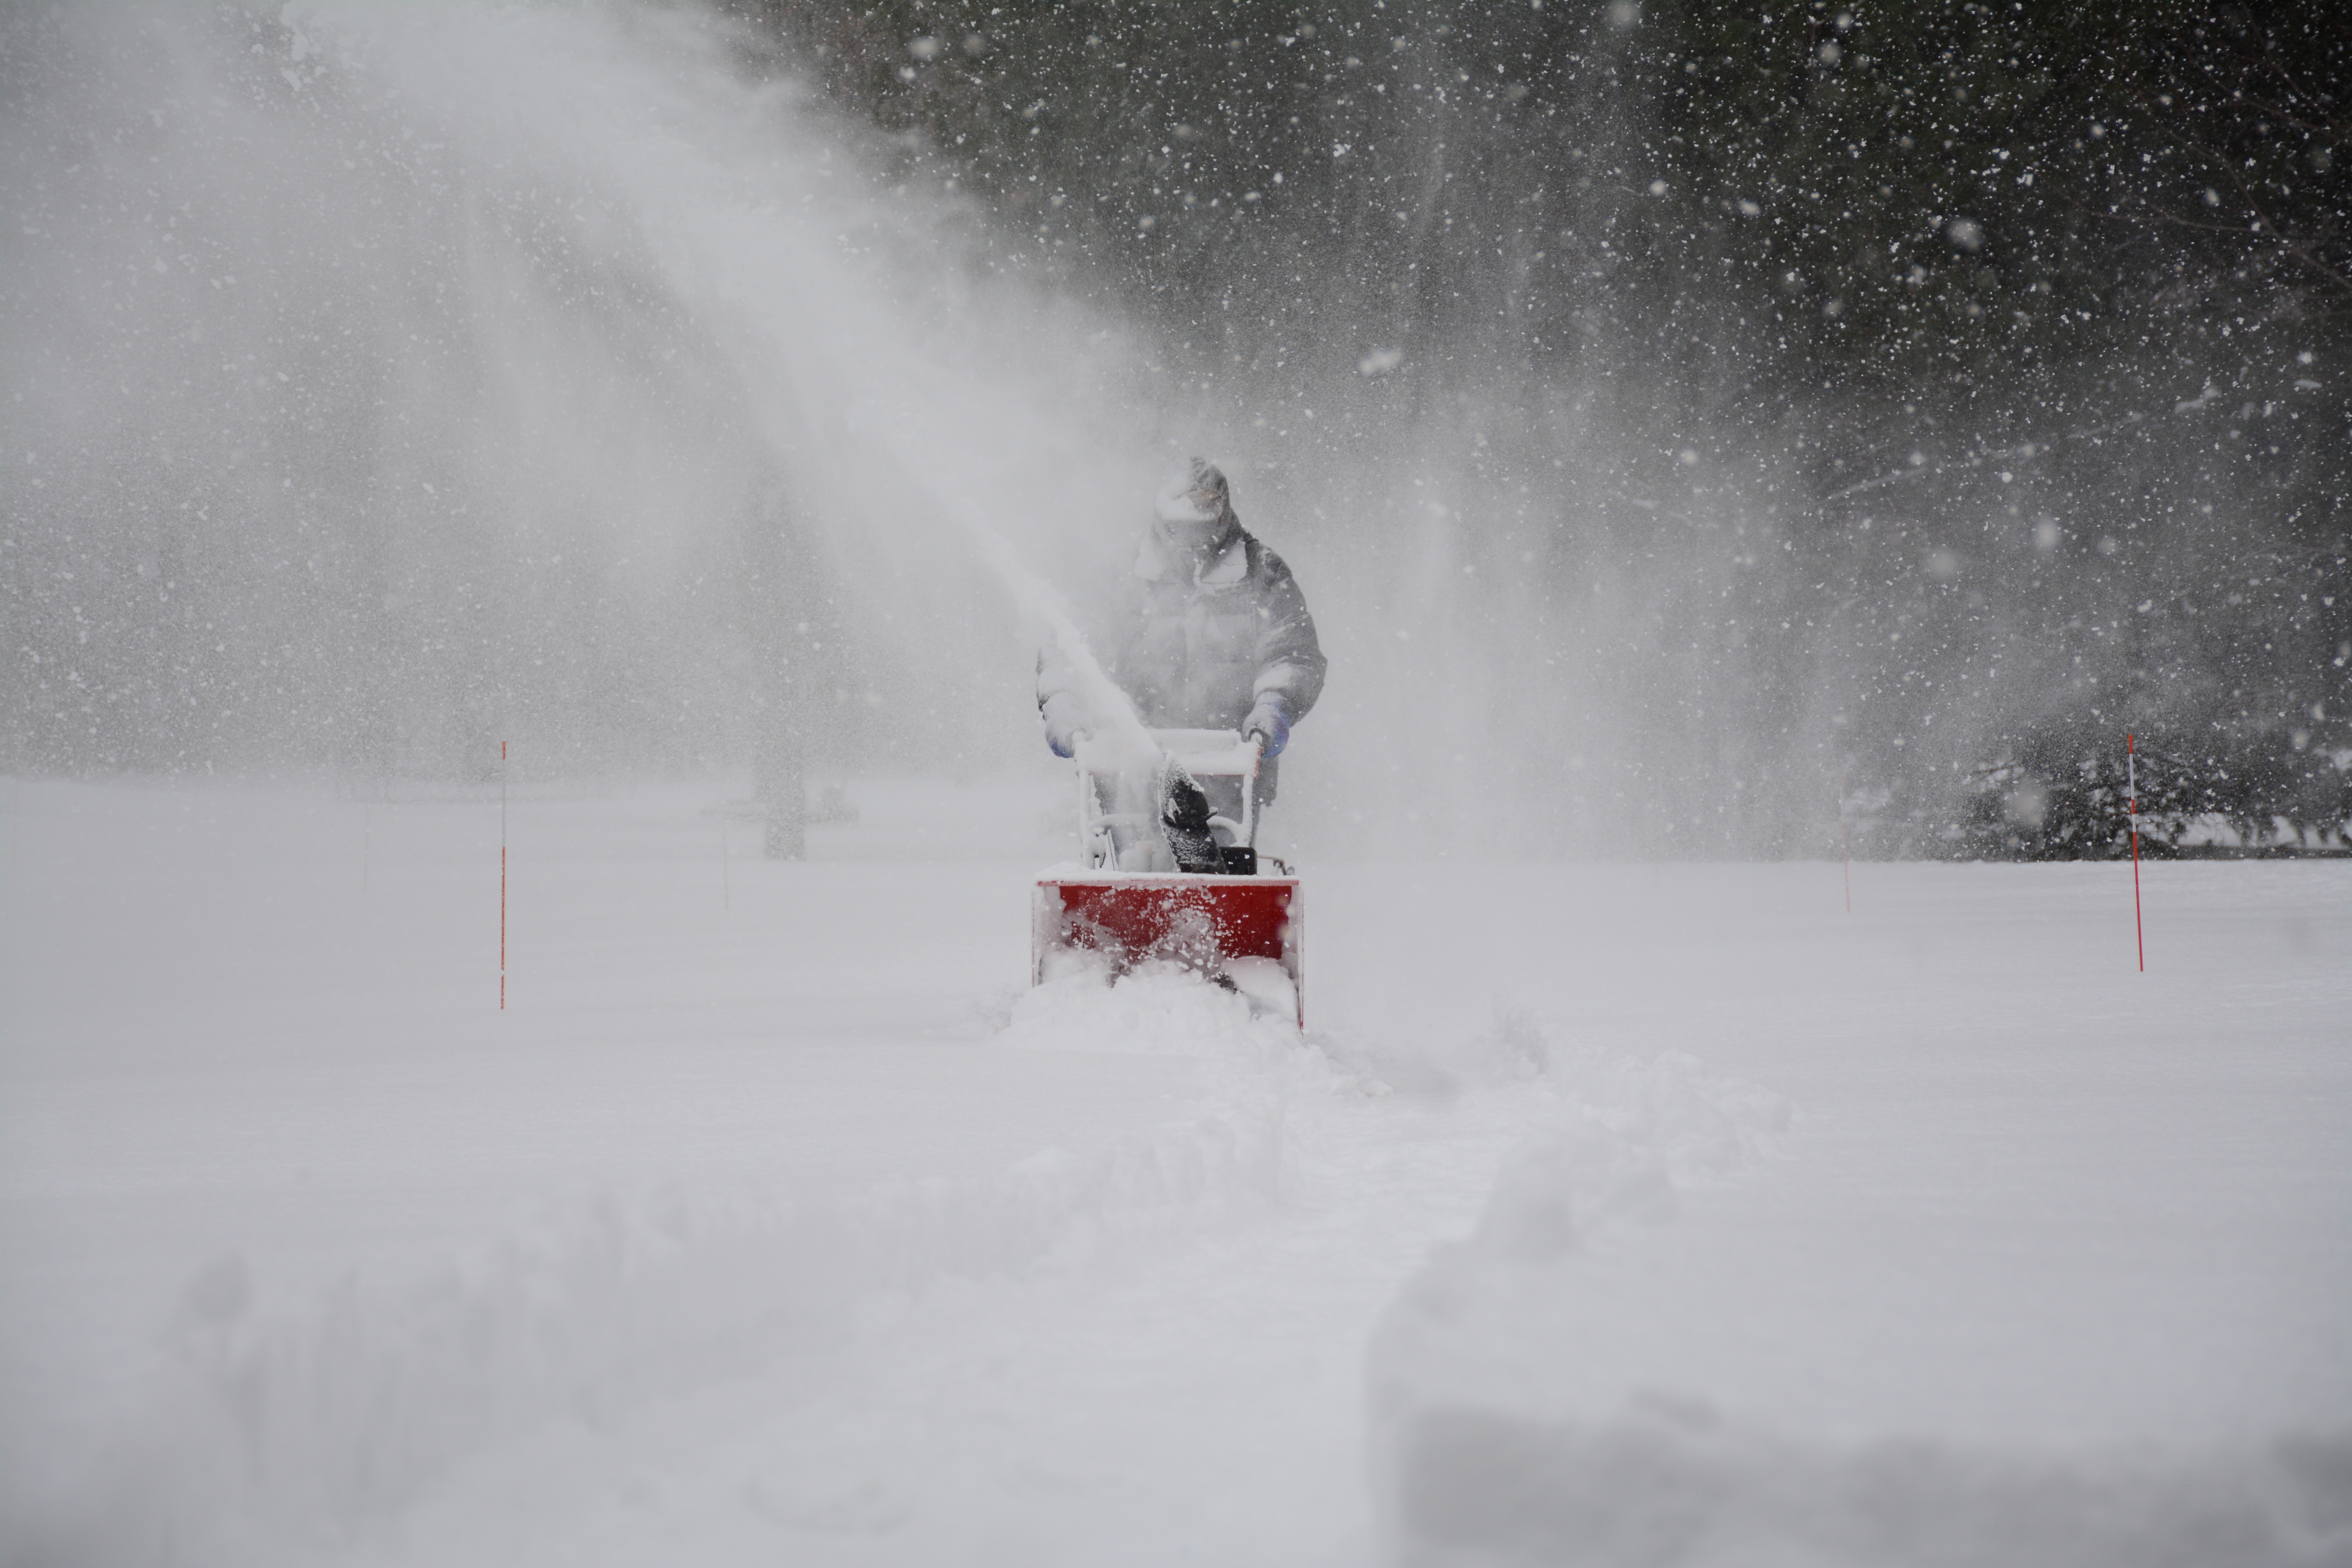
(502, 875)
(2131, 789)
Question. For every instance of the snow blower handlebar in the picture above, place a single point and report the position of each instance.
(1204, 754)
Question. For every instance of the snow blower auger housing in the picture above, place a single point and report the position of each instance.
(1241, 926)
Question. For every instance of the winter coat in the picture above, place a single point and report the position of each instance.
(1199, 642)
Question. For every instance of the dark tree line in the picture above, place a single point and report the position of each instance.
(1985, 364)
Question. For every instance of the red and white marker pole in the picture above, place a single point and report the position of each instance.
(502, 875)
(2131, 788)
(1845, 849)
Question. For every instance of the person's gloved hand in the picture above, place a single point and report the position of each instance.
(1270, 722)
(1064, 724)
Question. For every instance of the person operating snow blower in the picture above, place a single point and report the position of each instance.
(1207, 632)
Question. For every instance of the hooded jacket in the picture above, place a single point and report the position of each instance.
(1197, 640)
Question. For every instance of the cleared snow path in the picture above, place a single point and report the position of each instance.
(1164, 1387)
(773, 1222)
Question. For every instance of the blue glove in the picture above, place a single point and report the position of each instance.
(1063, 727)
(1270, 721)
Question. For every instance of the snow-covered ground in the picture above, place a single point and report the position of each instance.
(1619, 1214)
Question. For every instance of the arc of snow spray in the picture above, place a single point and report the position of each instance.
(1104, 697)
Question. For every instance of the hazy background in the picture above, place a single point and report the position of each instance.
(1669, 411)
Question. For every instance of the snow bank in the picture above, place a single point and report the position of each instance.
(1630, 1138)
(283, 1426)
(1532, 1392)
(1666, 1481)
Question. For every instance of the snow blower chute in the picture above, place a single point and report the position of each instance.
(1240, 926)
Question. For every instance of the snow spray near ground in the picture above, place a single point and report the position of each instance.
(777, 1222)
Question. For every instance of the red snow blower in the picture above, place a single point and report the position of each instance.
(1241, 927)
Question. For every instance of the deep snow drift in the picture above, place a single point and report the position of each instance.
(1608, 1214)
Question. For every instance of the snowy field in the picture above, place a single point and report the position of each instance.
(1612, 1215)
